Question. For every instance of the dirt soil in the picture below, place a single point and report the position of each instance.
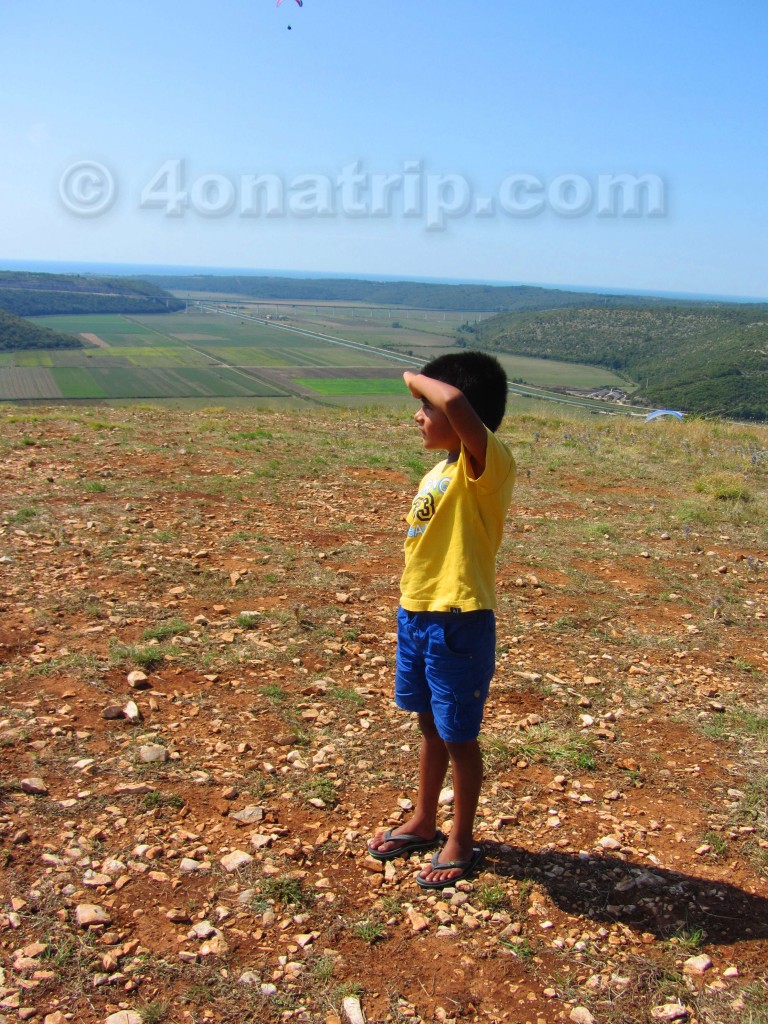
(197, 737)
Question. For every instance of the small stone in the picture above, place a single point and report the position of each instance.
(446, 796)
(352, 1010)
(153, 752)
(581, 1015)
(34, 786)
(695, 966)
(133, 788)
(124, 1017)
(670, 1012)
(419, 923)
(201, 930)
(249, 815)
(217, 945)
(188, 864)
(87, 914)
(138, 680)
(94, 879)
(235, 860)
(131, 712)
(286, 739)
(259, 841)
(177, 916)
(112, 713)
(609, 843)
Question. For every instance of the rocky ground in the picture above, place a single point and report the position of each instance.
(197, 734)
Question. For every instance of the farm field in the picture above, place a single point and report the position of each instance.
(200, 355)
(198, 737)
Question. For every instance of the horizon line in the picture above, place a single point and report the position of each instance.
(194, 270)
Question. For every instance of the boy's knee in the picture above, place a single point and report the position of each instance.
(463, 750)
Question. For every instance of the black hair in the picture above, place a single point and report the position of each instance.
(480, 377)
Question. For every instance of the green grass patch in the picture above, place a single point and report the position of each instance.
(165, 630)
(351, 385)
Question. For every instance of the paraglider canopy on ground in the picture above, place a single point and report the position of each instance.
(662, 412)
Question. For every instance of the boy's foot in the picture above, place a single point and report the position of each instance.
(441, 874)
(388, 845)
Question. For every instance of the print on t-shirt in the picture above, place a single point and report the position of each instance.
(425, 503)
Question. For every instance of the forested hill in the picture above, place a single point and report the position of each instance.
(414, 294)
(17, 333)
(30, 294)
(700, 358)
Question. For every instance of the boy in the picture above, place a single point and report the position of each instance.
(446, 625)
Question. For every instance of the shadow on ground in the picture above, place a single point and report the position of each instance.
(651, 899)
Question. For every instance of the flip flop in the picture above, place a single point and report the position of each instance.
(466, 868)
(408, 844)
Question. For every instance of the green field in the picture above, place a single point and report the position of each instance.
(351, 386)
(205, 355)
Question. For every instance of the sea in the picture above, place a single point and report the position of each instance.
(184, 270)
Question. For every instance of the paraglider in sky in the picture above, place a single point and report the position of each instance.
(662, 412)
(299, 2)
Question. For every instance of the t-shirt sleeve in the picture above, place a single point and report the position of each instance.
(499, 465)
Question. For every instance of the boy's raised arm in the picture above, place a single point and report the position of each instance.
(453, 404)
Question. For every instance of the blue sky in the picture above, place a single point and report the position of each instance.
(470, 141)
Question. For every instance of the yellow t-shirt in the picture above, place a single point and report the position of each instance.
(455, 526)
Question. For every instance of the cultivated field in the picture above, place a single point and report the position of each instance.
(200, 355)
(197, 734)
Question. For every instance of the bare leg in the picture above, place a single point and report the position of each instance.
(433, 764)
(467, 763)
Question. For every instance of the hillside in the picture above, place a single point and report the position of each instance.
(708, 359)
(197, 731)
(701, 357)
(413, 294)
(31, 294)
(17, 333)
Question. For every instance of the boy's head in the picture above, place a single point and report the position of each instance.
(480, 377)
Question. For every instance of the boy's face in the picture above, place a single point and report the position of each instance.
(436, 430)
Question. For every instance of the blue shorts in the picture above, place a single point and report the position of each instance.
(445, 663)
